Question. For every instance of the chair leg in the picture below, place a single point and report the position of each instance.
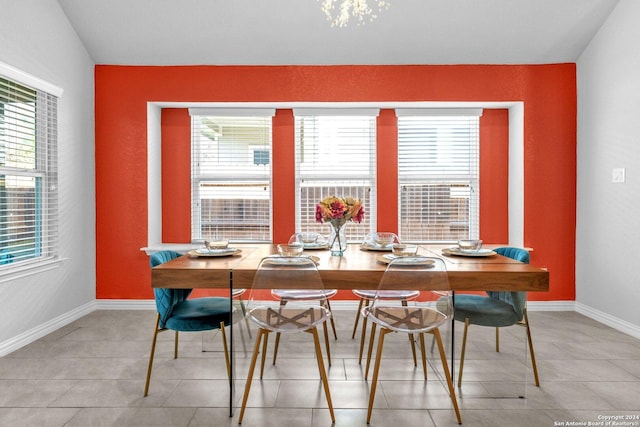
(275, 347)
(445, 367)
(323, 372)
(326, 342)
(175, 349)
(370, 351)
(376, 369)
(264, 351)
(244, 314)
(411, 340)
(533, 357)
(363, 336)
(153, 350)
(355, 323)
(424, 357)
(246, 321)
(226, 349)
(247, 386)
(283, 302)
(464, 348)
(333, 323)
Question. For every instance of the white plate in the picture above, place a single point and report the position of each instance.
(215, 252)
(458, 252)
(278, 260)
(313, 246)
(405, 260)
(375, 247)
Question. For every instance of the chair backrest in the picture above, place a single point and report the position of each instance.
(161, 257)
(274, 272)
(517, 300)
(518, 254)
(430, 308)
(166, 299)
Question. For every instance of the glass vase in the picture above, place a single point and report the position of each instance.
(338, 239)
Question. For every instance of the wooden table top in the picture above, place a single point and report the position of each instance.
(357, 269)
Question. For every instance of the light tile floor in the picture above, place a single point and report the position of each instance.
(92, 373)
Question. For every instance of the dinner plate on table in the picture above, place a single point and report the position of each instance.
(375, 247)
(283, 260)
(405, 260)
(315, 246)
(204, 252)
(479, 253)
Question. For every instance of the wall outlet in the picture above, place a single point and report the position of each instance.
(618, 175)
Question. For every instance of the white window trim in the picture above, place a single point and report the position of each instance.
(27, 79)
(371, 214)
(473, 177)
(516, 151)
(41, 265)
(248, 176)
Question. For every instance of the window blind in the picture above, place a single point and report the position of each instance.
(28, 175)
(231, 177)
(438, 173)
(335, 156)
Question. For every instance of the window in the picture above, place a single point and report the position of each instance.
(231, 176)
(28, 175)
(335, 155)
(438, 176)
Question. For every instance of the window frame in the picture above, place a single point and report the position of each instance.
(46, 251)
(248, 179)
(451, 176)
(355, 232)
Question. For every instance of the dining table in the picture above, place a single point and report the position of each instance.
(360, 267)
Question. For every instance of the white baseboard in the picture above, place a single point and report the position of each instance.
(46, 328)
(125, 304)
(551, 305)
(609, 320)
(34, 334)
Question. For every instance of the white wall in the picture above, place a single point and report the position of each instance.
(36, 38)
(608, 217)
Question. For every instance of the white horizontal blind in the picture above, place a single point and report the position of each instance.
(28, 175)
(231, 177)
(335, 156)
(438, 175)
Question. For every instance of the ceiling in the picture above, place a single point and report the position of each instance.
(283, 32)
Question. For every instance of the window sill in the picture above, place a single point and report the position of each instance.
(182, 248)
(8, 274)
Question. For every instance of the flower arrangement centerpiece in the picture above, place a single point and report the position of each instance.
(337, 211)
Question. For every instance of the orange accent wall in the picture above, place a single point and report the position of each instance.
(176, 175)
(387, 171)
(122, 93)
(283, 175)
(494, 176)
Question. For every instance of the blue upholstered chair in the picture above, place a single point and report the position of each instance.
(497, 309)
(179, 314)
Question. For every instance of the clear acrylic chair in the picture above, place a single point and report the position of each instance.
(296, 316)
(429, 311)
(381, 241)
(323, 297)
